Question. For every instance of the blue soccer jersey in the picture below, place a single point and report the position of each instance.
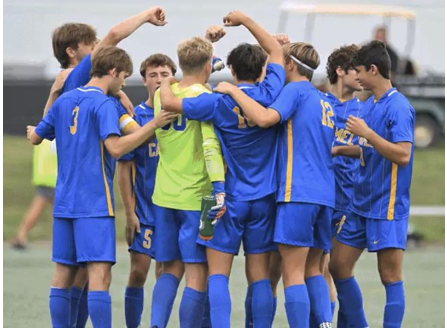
(345, 168)
(81, 120)
(382, 190)
(305, 139)
(249, 151)
(145, 158)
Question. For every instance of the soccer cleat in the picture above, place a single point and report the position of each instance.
(326, 325)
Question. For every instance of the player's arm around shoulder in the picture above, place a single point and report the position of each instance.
(56, 88)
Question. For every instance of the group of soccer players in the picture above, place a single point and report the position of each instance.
(297, 175)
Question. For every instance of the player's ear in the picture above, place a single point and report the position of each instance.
(232, 71)
(70, 52)
(340, 72)
(374, 70)
(144, 81)
(113, 73)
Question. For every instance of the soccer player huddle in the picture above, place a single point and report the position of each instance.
(305, 180)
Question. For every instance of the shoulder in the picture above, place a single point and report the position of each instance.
(397, 102)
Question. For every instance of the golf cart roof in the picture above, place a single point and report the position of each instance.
(348, 9)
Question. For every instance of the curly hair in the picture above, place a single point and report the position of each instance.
(341, 57)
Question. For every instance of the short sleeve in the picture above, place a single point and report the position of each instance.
(45, 128)
(79, 76)
(127, 157)
(287, 102)
(200, 108)
(268, 90)
(401, 122)
(107, 120)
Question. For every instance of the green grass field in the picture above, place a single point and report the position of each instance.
(27, 275)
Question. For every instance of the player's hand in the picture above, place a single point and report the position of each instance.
(157, 16)
(164, 117)
(216, 212)
(357, 126)
(214, 33)
(126, 102)
(234, 18)
(132, 226)
(224, 88)
(60, 80)
(169, 81)
(29, 131)
(282, 38)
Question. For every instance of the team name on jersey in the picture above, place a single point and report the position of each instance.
(344, 136)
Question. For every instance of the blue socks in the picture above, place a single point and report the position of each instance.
(275, 303)
(206, 321)
(100, 309)
(83, 309)
(297, 306)
(75, 297)
(192, 308)
(395, 305)
(320, 303)
(133, 306)
(351, 302)
(163, 297)
(262, 303)
(60, 307)
(248, 313)
(220, 302)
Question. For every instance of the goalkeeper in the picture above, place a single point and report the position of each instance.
(190, 166)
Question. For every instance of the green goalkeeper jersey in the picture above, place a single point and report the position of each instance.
(190, 158)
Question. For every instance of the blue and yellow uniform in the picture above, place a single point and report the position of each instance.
(250, 155)
(345, 168)
(381, 201)
(145, 160)
(83, 227)
(306, 195)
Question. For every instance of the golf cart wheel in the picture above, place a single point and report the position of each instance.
(426, 131)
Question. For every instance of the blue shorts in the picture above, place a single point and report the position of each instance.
(338, 218)
(303, 225)
(77, 241)
(375, 234)
(177, 232)
(143, 242)
(250, 222)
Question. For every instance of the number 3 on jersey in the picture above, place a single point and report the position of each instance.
(74, 126)
(327, 114)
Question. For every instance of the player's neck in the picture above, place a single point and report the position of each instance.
(382, 87)
(247, 82)
(100, 83)
(150, 102)
(341, 92)
(298, 78)
(189, 80)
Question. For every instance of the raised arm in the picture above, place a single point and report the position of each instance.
(56, 89)
(255, 112)
(265, 39)
(155, 15)
(169, 102)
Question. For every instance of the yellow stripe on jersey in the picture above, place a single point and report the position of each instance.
(126, 122)
(109, 198)
(390, 215)
(133, 172)
(288, 192)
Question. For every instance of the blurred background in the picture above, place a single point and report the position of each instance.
(414, 31)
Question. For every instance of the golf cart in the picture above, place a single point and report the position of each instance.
(426, 93)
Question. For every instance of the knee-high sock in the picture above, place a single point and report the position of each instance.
(75, 298)
(351, 302)
(395, 305)
(206, 321)
(297, 306)
(192, 308)
(83, 309)
(248, 312)
(220, 302)
(133, 306)
(262, 304)
(59, 307)
(100, 309)
(275, 303)
(163, 297)
(320, 303)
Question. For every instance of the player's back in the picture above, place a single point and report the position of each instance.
(182, 178)
(85, 168)
(305, 142)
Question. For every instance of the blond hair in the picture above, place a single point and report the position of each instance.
(306, 54)
(193, 54)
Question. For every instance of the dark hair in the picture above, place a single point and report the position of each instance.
(70, 35)
(374, 53)
(157, 60)
(108, 58)
(341, 57)
(247, 61)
